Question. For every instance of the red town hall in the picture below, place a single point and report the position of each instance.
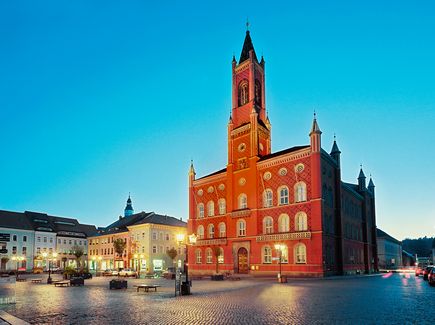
(294, 198)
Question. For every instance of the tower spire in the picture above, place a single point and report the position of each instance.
(128, 211)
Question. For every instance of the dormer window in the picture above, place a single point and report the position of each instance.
(243, 92)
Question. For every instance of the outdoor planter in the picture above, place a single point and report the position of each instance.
(118, 284)
(217, 277)
(79, 281)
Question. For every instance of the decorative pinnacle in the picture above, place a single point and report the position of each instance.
(247, 24)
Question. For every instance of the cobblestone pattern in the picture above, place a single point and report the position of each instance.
(396, 299)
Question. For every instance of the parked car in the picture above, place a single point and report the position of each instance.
(128, 272)
(431, 277)
(426, 271)
(84, 275)
(110, 272)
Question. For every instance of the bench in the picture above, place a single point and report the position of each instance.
(21, 279)
(147, 287)
(64, 283)
(36, 280)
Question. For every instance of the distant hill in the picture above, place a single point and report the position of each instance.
(421, 246)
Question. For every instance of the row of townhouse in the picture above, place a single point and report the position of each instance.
(147, 237)
(29, 239)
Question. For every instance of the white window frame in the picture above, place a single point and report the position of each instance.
(301, 221)
(267, 198)
(283, 226)
(210, 208)
(267, 255)
(210, 231)
(300, 192)
(283, 197)
(200, 210)
(222, 206)
(241, 231)
(208, 256)
(243, 201)
(221, 255)
(200, 232)
(198, 255)
(300, 253)
(222, 230)
(267, 225)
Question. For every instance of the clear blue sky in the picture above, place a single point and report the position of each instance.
(102, 98)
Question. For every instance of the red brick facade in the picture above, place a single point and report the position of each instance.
(294, 198)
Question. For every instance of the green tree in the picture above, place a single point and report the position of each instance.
(119, 246)
(172, 253)
(78, 253)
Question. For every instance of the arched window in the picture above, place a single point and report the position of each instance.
(221, 255)
(267, 198)
(241, 228)
(209, 256)
(222, 230)
(198, 256)
(200, 212)
(267, 225)
(301, 221)
(283, 223)
(200, 232)
(243, 92)
(243, 201)
(267, 255)
(300, 254)
(222, 206)
(210, 208)
(284, 254)
(210, 231)
(300, 192)
(257, 91)
(283, 195)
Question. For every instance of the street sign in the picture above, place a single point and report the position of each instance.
(275, 258)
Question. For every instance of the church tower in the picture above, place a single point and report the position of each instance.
(248, 127)
(128, 211)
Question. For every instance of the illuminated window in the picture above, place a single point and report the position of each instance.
(209, 256)
(211, 231)
(300, 254)
(210, 208)
(222, 230)
(200, 232)
(221, 255)
(301, 221)
(241, 228)
(267, 198)
(283, 195)
(284, 223)
(267, 225)
(222, 206)
(200, 212)
(243, 201)
(154, 249)
(300, 192)
(198, 256)
(267, 255)
(284, 254)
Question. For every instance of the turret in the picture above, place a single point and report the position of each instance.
(191, 174)
(361, 181)
(128, 211)
(315, 136)
(371, 186)
(335, 152)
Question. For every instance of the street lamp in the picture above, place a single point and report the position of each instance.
(280, 248)
(135, 261)
(191, 241)
(49, 258)
(17, 259)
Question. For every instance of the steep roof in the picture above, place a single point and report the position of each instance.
(214, 173)
(162, 220)
(14, 220)
(283, 152)
(247, 47)
(382, 234)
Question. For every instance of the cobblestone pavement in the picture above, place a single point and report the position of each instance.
(380, 299)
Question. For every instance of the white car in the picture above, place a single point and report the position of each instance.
(127, 272)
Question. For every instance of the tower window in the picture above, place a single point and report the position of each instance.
(257, 92)
(243, 92)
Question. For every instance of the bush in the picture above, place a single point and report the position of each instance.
(69, 272)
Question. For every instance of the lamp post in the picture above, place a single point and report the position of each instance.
(141, 256)
(279, 247)
(191, 241)
(49, 258)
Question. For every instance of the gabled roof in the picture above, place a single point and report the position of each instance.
(214, 173)
(161, 220)
(123, 222)
(247, 47)
(283, 152)
(382, 234)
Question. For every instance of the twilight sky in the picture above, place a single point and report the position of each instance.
(102, 98)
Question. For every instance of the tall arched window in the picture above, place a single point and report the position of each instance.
(198, 256)
(200, 212)
(243, 92)
(300, 192)
(267, 255)
(257, 91)
(210, 208)
(200, 232)
(222, 206)
(243, 201)
(267, 198)
(267, 225)
(241, 228)
(209, 256)
(301, 221)
(284, 223)
(283, 195)
(222, 230)
(221, 255)
(210, 231)
(284, 254)
(300, 254)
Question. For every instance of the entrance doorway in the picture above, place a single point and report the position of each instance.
(242, 258)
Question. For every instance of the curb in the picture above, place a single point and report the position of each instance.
(10, 319)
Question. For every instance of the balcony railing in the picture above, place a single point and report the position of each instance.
(241, 213)
(215, 241)
(285, 236)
